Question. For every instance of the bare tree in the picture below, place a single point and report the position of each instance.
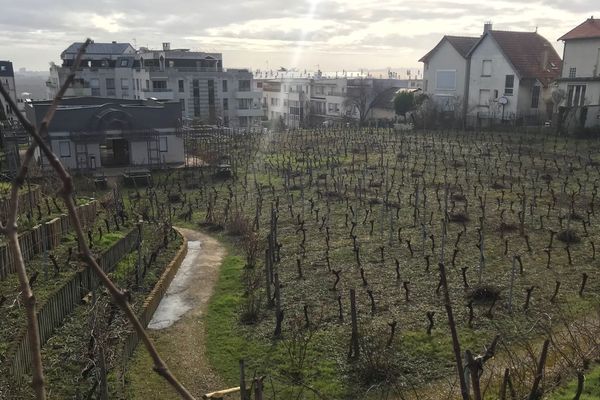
(40, 138)
(359, 97)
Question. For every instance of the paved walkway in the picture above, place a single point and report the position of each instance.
(177, 327)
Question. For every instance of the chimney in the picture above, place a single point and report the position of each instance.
(487, 27)
(166, 46)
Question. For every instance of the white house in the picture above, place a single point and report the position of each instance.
(580, 77)
(510, 75)
(445, 71)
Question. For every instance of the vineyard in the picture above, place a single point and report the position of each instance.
(362, 264)
(359, 246)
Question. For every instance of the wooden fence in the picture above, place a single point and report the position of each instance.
(52, 312)
(5, 206)
(44, 237)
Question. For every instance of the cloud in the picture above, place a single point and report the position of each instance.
(248, 32)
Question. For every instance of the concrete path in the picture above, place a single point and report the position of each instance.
(177, 326)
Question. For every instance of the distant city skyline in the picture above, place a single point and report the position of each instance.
(332, 35)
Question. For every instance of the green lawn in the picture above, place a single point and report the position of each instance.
(591, 388)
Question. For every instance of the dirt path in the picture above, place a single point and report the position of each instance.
(177, 327)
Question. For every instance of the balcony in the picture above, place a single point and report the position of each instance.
(167, 69)
(248, 95)
(160, 94)
(250, 112)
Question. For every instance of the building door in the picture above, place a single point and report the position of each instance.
(120, 149)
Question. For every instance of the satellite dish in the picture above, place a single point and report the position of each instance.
(503, 100)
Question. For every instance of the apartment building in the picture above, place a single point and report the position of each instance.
(308, 101)
(287, 101)
(7, 80)
(197, 80)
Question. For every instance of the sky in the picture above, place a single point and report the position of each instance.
(332, 35)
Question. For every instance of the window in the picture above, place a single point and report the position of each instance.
(495, 93)
(95, 85)
(181, 87)
(162, 144)
(446, 80)
(244, 104)
(224, 86)
(124, 63)
(572, 72)
(211, 92)
(225, 103)
(182, 103)
(124, 83)
(484, 97)
(147, 84)
(196, 96)
(137, 84)
(486, 68)
(509, 85)
(64, 147)
(244, 85)
(575, 95)
(159, 86)
(110, 87)
(171, 64)
(535, 97)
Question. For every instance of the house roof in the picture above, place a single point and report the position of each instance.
(589, 29)
(462, 44)
(99, 48)
(527, 51)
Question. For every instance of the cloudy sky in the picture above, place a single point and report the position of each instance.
(334, 34)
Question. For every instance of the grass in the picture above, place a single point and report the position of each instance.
(228, 342)
(591, 388)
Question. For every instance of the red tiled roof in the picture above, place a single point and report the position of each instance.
(462, 44)
(526, 52)
(587, 30)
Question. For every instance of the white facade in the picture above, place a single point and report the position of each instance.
(170, 151)
(287, 100)
(205, 90)
(296, 102)
(487, 82)
(444, 77)
(498, 90)
(580, 78)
